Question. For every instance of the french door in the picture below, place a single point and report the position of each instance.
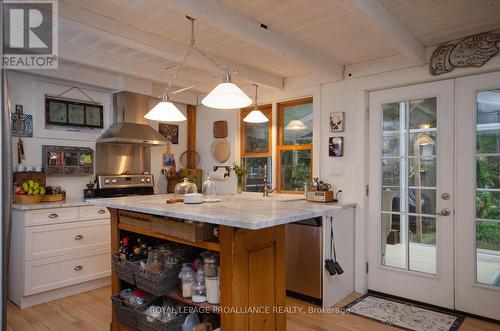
(477, 243)
(435, 193)
(411, 221)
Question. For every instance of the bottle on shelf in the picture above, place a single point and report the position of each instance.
(198, 288)
(124, 249)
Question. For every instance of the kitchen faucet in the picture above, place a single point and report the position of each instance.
(267, 187)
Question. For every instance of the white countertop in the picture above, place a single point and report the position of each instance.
(47, 205)
(249, 211)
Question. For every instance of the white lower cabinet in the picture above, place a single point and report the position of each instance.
(48, 274)
(58, 252)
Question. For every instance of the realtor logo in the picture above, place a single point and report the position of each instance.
(30, 34)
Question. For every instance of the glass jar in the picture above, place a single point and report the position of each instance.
(187, 277)
(208, 189)
(210, 266)
(155, 261)
(185, 187)
(213, 294)
(198, 288)
(170, 261)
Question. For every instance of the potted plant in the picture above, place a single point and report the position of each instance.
(240, 171)
(299, 175)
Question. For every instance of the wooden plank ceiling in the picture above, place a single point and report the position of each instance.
(321, 25)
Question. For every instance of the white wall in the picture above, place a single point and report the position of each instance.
(205, 118)
(176, 149)
(29, 90)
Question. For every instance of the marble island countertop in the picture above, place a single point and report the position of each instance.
(249, 211)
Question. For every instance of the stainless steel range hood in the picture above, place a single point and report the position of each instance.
(129, 125)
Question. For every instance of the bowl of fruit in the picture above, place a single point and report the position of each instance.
(29, 192)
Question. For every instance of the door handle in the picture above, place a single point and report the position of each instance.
(444, 212)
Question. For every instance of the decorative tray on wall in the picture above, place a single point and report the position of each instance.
(68, 161)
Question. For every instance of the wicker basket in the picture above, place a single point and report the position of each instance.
(145, 323)
(26, 199)
(126, 314)
(124, 269)
(189, 231)
(135, 219)
(157, 283)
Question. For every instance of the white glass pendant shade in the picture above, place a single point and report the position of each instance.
(226, 96)
(295, 125)
(165, 111)
(256, 116)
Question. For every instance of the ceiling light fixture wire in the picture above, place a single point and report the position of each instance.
(192, 46)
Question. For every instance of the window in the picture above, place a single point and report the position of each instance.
(294, 152)
(256, 150)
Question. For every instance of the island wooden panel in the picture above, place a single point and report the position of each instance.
(253, 276)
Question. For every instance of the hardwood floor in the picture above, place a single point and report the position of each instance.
(91, 311)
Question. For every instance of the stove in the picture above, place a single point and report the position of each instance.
(109, 186)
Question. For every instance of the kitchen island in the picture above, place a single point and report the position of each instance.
(251, 247)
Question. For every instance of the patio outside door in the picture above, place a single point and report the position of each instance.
(411, 221)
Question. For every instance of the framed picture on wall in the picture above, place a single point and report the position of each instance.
(337, 122)
(73, 113)
(169, 131)
(336, 146)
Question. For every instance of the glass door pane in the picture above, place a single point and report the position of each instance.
(409, 167)
(488, 187)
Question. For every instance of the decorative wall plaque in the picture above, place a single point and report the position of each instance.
(67, 160)
(21, 124)
(169, 131)
(473, 51)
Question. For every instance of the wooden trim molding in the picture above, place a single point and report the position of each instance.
(281, 147)
(266, 110)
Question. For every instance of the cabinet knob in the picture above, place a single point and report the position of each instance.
(78, 268)
(78, 237)
(101, 211)
(53, 216)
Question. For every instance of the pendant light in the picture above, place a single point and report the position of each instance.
(165, 111)
(295, 125)
(256, 116)
(226, 95)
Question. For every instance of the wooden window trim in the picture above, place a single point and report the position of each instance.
(266, 110)
(281, 147)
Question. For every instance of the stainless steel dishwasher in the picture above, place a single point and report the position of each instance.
(304, 267)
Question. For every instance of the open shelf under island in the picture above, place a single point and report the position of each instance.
(251, 247)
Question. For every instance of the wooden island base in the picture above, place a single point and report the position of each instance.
(252, 280)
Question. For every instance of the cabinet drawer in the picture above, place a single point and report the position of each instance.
(52, 273)
(51, 216)
(92, 213)
(59, 239)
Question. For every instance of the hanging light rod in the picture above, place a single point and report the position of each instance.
(225, 96)
(256, 116)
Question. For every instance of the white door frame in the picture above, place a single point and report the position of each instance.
(438, 289)
(470, 297)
